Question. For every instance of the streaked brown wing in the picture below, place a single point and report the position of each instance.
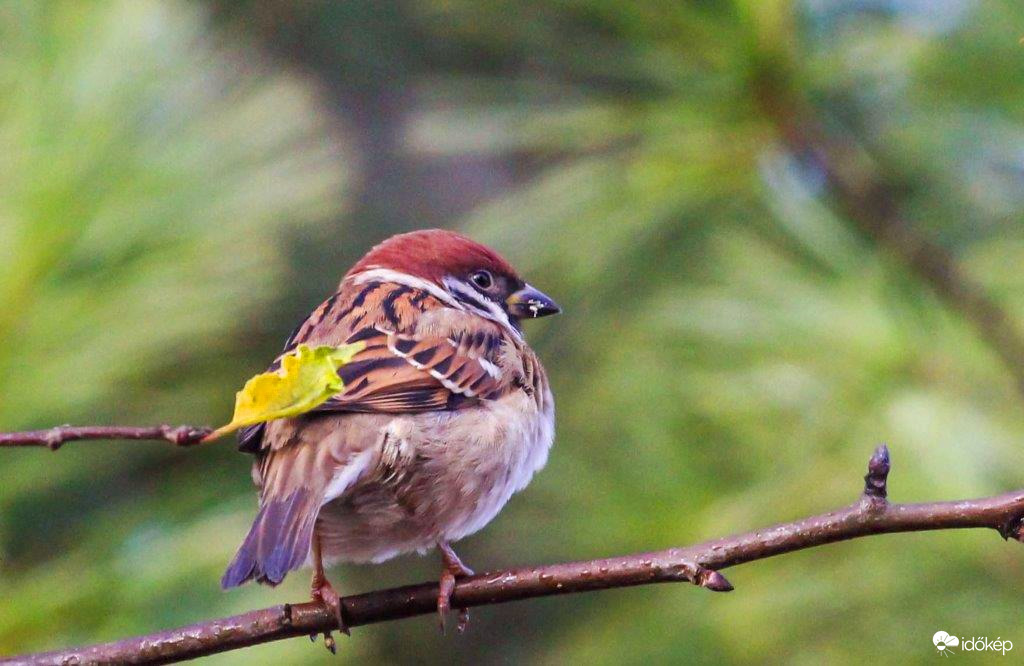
(398, 370)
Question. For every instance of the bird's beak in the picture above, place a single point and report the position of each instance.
(528, 303)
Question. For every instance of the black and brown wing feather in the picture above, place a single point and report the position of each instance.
(405, 366)
(400, 369)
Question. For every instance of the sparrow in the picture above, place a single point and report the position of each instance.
(445, 413)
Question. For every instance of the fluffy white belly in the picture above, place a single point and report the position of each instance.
(439, 475)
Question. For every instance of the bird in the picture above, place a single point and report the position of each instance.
(445, 413)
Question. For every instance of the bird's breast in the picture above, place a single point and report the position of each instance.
(486, 453)
(439, 475)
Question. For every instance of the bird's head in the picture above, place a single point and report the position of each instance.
(459, 271)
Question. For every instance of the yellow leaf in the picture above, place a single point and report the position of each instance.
(307, 378)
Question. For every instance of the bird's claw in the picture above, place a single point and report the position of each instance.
(326, 595)
(444, 596)
(453, 569)
(329, 642)
(444, 604)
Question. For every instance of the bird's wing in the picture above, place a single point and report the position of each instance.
(419, 355)
(410, 372)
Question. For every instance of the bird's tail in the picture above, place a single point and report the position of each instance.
(278, 542)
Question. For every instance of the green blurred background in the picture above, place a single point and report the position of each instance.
(736, 202)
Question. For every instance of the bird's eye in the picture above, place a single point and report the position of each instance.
(482, 279)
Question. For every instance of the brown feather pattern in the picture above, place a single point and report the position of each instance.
(420, 355)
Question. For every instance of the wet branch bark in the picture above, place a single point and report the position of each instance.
(871, 514)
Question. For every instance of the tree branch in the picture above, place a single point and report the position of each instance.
(54, 438)
(871, 514)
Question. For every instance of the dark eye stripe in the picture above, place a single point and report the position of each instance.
(472, 301)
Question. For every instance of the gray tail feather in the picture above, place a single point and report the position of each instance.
(277, 543)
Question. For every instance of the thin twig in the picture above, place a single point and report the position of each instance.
(871, 514)
(54, 438)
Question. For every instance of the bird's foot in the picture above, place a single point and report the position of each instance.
(325, 594)
(453, 569)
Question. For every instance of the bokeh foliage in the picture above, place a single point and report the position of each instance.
(732, 346)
